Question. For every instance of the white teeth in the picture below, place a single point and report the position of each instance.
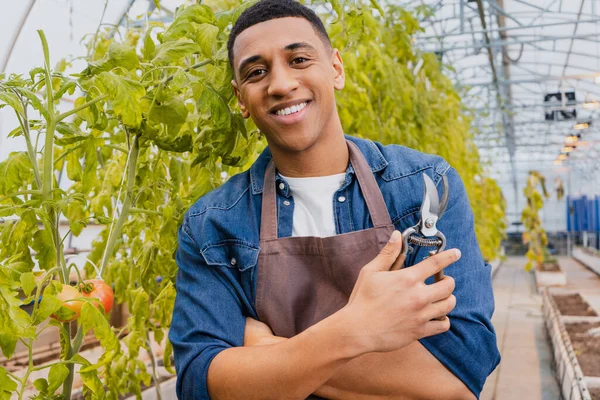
(292, 109)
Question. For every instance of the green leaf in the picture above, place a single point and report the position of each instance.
(125, 95)
(376, 5)
(41, 384)
(92, 318)
(8, 343)
(167, 357)
(13, 101)
(57, 375)
(171, 52)
(337, 7)
(35, 101)
(68, 86)
(27, 283)
(44, 246)
(16, 322)
(197, 13)
(73, 167)
(212, 107)
(206, 37)
(118, 55)
(48, 306)
(170, 112)
(149, 49)
(7, 385)
(16, 172)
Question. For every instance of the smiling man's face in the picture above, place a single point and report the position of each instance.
(285, 78)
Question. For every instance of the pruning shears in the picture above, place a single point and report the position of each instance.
(425, 232)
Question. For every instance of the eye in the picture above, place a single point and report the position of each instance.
(255, 73)
(299, 60)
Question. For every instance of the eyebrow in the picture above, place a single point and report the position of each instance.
(289, 47)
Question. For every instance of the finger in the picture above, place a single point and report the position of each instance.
(440, 290)
(388, 254)
(439, 309)
(399, 263)
(435, 263)
(436, 327)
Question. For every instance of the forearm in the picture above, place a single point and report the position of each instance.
(291, 369)
(409, 373)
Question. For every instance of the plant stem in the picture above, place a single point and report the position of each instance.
(154, 374)
(30, 150)
(81, 107)
(68, 383)
(116, 232)
(73, 349)
(29, 369)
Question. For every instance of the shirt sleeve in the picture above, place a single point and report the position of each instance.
(469, 348)
(207, 318)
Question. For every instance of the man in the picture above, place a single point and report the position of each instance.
(300, 243)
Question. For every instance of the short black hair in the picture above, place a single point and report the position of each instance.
(266, 10)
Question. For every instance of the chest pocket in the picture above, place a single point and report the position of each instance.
(231, 255)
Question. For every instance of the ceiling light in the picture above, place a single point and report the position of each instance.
(567, 149)
(562, 157)
(572, 139)
(591, 105)
(557, 162)
(581, 126)
(597, 79)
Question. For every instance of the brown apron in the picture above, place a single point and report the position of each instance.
(302, 280)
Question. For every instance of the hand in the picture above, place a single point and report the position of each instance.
(258, 334)
(390, 308)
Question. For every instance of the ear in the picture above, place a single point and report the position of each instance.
(339, 76)
(241, 102)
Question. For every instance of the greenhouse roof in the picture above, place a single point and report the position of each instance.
(529, 69)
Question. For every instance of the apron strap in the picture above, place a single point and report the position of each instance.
(268, 218)
(368, 185)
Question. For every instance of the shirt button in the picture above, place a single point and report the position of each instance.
(233, 262)
(287, 203)
(341, 199)
(282, 186)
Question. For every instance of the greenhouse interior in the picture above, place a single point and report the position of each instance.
(128, 141)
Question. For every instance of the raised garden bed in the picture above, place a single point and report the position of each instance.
(573, 345)
(589, 258)
(574, 305)
(550, 275)
(586, 346)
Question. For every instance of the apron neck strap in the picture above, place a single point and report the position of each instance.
(366, 179)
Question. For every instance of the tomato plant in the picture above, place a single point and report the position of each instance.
(534, 235)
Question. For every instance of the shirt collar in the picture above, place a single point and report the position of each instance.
(372, 154)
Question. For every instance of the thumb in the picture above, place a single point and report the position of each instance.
(388, 255)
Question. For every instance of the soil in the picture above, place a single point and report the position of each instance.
(586, 347)
(551, 267)
(574, 304)
(595, 393)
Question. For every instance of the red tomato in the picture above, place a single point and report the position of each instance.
(69, 295)
(98, 289)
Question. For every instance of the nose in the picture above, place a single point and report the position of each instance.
(282, 81)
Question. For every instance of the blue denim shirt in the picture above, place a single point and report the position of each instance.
(219, 246)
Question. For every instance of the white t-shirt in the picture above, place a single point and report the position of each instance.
(313, 204)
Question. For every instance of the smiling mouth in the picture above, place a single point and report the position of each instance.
(291, 110)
